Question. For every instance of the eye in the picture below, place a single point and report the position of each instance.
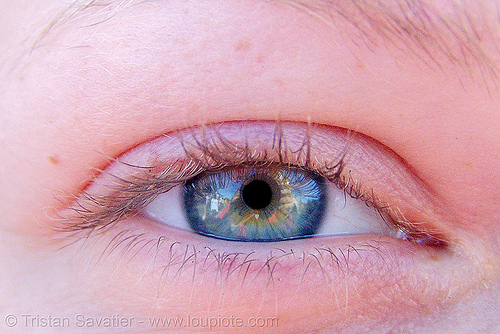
(264, 204)
(374, 243)
(261, 181)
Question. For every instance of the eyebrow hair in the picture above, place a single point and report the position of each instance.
(415, 26)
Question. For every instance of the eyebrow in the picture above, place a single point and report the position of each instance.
(415, 26)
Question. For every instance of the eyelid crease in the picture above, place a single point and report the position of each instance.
(208, 149)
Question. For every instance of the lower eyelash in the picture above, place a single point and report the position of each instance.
(135, 263)
(210, 150)
(244, 266)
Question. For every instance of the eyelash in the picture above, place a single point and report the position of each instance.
(214, 153)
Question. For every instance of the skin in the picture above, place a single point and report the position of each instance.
(86, 93)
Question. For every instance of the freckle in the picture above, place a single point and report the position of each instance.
(243, 46)
(436, 257)
(360, 65)
(278, 82)
(54, 159)
(469, 164)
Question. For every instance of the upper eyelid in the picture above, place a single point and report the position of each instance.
(148, 171)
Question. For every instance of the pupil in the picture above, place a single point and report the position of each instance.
(257, 194)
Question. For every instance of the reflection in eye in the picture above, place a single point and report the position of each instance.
(255, 204)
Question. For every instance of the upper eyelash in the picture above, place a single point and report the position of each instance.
(214, 152)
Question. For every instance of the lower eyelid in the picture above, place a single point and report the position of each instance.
(342, 279)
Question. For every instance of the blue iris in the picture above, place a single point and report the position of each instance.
(255, 204)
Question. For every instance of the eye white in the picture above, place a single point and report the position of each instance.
(346, 215)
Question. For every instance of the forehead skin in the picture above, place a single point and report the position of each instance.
(80, 87)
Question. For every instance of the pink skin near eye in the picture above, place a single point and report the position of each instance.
(92, 91)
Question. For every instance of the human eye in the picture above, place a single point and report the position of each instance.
(246, 181)
(136, 205)
(256, 181)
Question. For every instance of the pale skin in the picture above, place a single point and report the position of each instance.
(89, 91)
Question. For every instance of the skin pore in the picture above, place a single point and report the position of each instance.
(82, 85)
